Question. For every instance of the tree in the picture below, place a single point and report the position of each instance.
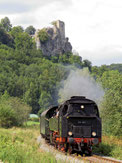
(5, 22)
(5, 38)
(97, 72)
(16, 30)
(23, 41)
(30, 30)
(13, 112)
(43, 35)
(111, 108)
(87, 63)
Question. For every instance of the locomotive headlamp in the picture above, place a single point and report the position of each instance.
(93, 133)
(70, 133)
(82, 106)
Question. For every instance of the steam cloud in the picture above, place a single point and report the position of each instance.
(80, 83)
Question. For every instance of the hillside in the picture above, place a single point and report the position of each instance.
(115, 67)
(28, 73)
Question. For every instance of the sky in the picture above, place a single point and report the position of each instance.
(94, 27)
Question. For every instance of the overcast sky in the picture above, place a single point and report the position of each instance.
(94, 27)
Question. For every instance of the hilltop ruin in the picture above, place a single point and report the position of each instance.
(57, 43)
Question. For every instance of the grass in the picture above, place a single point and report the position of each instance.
(19, 145)
(31, 123)
(110, 146)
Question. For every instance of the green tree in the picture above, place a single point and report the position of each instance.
(43, 35)
(98, 71)
(16, 30)
(30, 30)
(5, 38)
(23, 41)
(111, 107)
(5, 22)
(13, 112)
(87, 63)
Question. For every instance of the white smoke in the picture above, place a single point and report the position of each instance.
(80, 83)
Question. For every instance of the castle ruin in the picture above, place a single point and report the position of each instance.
(57, 43)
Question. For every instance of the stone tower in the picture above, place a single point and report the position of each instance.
(61, 27)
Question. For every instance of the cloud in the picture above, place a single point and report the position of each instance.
(12, 6)
(9, 8)
(105, 55)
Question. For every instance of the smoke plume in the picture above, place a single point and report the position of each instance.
(80, 83)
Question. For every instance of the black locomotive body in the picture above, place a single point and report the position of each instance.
(74, 126)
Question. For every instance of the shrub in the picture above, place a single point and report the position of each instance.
(13, 112)
(7, 116)
(43, 35)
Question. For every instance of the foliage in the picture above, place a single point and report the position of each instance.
(98, 71)
(20, 145)
(115, 67)
(68, 59)
(15, 31)
(23, 41)
(107, 148)
(43, 35)
(5, 38)
(13, 112)
(111, 108)
(30, 30)
(87, 63)
(111, 105)
(7, 116)
(53, 23)
(5, 22)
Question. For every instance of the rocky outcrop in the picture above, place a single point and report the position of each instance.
(57, 43)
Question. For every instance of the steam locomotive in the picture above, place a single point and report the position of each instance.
(73, 126)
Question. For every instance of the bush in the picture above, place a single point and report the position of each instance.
(110, 146)
(7, 116)
(43, 35)
(13, 112)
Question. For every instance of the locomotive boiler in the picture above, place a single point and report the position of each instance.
(73, 126)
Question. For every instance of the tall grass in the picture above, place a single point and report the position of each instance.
(110, 146)
(19, 145)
